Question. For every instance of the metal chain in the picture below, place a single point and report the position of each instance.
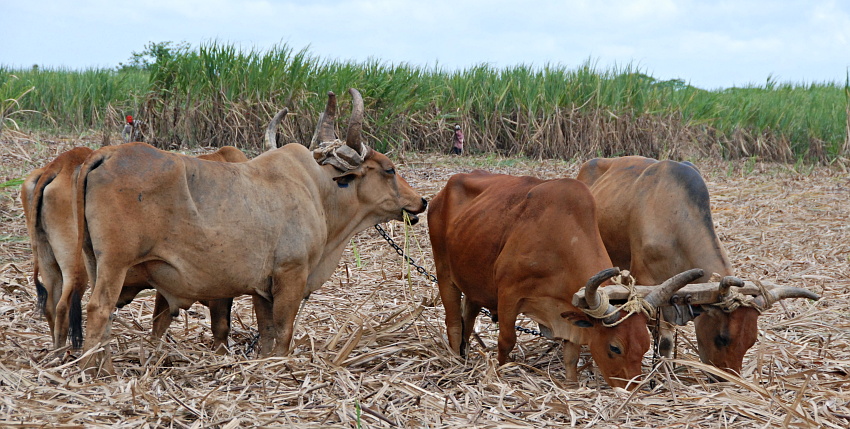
(253, 343)
(421, 270)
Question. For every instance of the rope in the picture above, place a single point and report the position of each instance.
(601, 311)
(732, 300)
(340, 155)
(635, 303)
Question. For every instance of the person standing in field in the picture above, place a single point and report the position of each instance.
(457, 142)
(131, 131)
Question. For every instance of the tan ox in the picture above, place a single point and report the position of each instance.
(655, 219)
(273, 227)
(525, 245)
(47, 196)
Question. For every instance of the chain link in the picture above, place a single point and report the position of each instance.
(421, 270)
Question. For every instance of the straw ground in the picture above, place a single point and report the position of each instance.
(370, 348)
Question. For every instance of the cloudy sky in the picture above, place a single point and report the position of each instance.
(709, 43)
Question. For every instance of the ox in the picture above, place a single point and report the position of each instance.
(655, 219)
(273, 227)
(47, 196)
(525, 245)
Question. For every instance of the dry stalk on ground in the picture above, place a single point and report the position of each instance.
(370, 348)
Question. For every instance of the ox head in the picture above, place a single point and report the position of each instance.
(725, 332)
(368, 173)
(620, 337)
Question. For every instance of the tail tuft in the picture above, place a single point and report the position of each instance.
(75, 319)
(41, 297)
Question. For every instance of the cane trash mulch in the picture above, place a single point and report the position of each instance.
(370, 348)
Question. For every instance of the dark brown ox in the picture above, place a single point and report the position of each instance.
(655, 220)
(273, 227)
(47, 196)
(525, 245)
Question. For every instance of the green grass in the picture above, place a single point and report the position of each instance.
(218, 94)
(14, 183)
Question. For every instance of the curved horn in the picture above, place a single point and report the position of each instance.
(325, 131)
(591, 293)
(727, 282)
(271, 129)
(662, 294)
(355, 124)
(777, 294)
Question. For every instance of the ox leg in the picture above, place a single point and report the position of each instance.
(220, 323)
(265, 324)
(507, 333)
(53, 289)
(69, 306)
(103, 299)
(470, 314)
(161, 317)
(289, 286)
(452, 298)
(571, 354)
(664, 337)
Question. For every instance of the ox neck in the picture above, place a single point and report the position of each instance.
(344, 214)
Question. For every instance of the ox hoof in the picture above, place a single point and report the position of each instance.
(98, 368)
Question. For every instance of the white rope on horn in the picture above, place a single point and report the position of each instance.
(635, 303)
(340, 155)
(732, 300)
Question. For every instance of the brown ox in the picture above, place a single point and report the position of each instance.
(525, 245)
(273, 227)
(655, 219)
(47, 196)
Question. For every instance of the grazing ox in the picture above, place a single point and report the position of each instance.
(525, 245)
(47, 196)
(273, 227)
(655, 219)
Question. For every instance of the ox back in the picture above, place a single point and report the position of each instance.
(655, 217)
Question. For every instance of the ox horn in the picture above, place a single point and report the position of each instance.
(727, 282)
(325, 131)
(271, 130)
(355, 124)
(662, 294)
(784, 292)
(594, 298)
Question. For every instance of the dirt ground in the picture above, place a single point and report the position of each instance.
(370, 348)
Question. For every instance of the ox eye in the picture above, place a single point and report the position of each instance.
(615, 349)
(390, 171)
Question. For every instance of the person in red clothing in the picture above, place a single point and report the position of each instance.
(128, 133)
(457, 142)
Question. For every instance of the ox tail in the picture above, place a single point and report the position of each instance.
(75, 319)
(40, 291)
(37, 233)
(75, 311)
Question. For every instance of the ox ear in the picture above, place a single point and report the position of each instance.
(343, 180)
(577, 319)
